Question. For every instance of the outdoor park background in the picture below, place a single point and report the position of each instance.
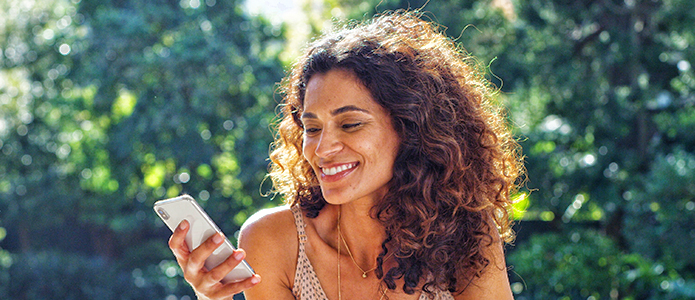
(108, 106)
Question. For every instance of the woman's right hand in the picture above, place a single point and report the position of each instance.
(206, 283)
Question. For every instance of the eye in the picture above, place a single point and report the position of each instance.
(311, 130)
(351, 126)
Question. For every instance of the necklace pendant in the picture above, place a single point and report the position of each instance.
(364, 275)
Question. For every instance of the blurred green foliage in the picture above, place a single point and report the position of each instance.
(585, 264)
(108, 106)
(661, 212)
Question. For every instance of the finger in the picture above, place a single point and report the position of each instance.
(196, 260)
(177, 241)
(237, 287)
(217, 273)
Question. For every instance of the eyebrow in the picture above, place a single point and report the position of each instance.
(341, 110)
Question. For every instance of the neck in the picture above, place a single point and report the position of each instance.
(362, 233)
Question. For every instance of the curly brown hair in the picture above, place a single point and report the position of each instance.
(458, 162)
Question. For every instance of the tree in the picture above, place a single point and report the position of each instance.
(108, 106)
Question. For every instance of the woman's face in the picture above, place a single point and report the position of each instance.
(348, 138)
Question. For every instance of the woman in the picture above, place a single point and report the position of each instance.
(397, 168)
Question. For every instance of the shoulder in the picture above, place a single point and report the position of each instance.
(269, 238)
(269, 217)
(270, 227)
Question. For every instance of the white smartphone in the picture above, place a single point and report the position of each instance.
(174, 210)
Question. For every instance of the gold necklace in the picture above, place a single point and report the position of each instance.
(364, 274)
(383, 294)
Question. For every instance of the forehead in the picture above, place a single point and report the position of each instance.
(337, 88)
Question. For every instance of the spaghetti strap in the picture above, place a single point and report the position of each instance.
(299, 223)
(306, 283)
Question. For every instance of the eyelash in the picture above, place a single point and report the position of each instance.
(349, 126)
(311, 130)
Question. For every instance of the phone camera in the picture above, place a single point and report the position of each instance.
(163, 214)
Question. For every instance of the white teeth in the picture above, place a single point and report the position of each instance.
(336, 170)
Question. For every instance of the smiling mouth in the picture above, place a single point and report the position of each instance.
(338, 169)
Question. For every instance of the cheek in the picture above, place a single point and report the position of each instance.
(391, 143)
(304, 149)
(307, 149)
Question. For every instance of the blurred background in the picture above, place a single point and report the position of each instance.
(108, 106)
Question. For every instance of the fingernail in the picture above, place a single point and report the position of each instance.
(183, 225)
(238, 255)
(255, 279)
(217, 239)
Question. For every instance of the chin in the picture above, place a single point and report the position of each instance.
(334, 198)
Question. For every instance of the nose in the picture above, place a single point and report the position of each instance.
(329, 143)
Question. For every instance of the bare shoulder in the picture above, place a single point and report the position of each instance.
(270, 218)
(271, 230)
(269, 238)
